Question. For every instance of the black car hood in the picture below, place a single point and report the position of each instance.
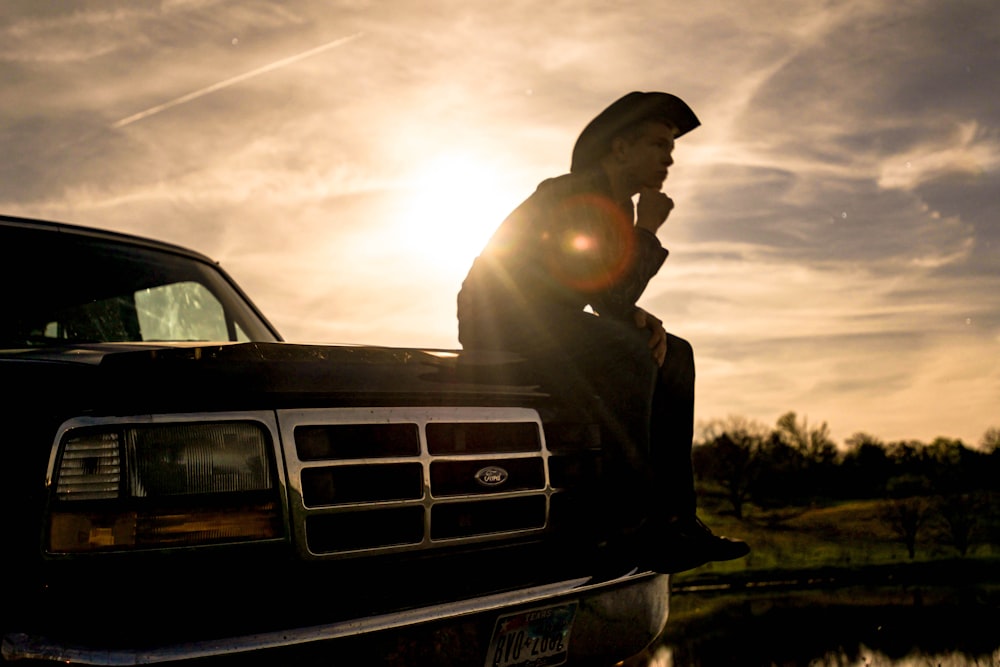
(143, 378)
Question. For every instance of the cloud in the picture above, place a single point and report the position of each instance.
(968, 151)
(232, 81)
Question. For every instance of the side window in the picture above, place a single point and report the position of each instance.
(181, 311)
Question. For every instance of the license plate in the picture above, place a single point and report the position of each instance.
(533, 638)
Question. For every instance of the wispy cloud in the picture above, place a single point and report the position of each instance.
(967, 151)
(232, 81)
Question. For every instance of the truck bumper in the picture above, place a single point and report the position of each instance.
(610, 621)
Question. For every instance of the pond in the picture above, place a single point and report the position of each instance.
(846, 627)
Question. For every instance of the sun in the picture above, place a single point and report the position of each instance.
(454, 203)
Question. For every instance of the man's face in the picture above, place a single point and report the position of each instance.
(646, 159)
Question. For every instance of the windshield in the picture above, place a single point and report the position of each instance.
(65, 288)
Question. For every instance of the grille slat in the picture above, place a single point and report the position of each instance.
(483, 438)
(361, 483)
(356, 441)
(450, 520)
(350, 531)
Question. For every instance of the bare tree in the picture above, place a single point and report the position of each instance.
(905, 517)
(814, 443)
(729, 456)
(907, 510)
(958, 518)
(866, 466)
(991, 439)
(816, 452)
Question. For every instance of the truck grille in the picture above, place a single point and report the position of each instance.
(384, 480)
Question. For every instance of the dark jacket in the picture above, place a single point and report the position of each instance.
(568, 246)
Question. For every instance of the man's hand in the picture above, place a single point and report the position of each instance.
(657, 334)
(652, 209)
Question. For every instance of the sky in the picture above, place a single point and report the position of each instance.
(834, 246)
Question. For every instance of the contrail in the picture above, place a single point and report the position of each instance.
(232, 81)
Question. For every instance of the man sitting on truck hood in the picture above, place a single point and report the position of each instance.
(558, 283)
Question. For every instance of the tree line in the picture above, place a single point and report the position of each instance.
(795, 464)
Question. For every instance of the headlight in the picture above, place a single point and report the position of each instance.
(121, 487)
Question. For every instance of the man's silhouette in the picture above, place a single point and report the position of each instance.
(558, 283)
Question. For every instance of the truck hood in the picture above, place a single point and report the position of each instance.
(179, 376)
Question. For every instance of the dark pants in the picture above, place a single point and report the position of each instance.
(646, 412)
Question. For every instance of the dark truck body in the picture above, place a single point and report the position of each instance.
(181, 485)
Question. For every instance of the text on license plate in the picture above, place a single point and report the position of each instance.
(533, 638)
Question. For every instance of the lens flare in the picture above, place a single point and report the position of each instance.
(592, 243)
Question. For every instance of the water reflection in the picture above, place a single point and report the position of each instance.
(663, 657)
(849, 627)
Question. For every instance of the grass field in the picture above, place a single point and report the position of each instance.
(835, 539)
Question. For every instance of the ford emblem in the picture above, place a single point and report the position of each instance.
(491, 476)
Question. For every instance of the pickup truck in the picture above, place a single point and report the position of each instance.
(181, 486)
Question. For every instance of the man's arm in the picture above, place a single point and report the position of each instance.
(647, 255)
